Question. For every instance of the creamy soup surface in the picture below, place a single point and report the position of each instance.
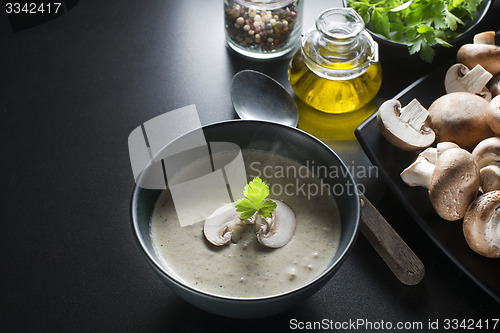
(247, 268)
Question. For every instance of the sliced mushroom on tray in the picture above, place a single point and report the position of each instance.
(405, 127)
(460, 78)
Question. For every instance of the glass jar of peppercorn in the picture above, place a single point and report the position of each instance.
(263, 29)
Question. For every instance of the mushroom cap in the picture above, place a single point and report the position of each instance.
(430, 154)
(405, 127)
(485, 55)
(280, 227)
(460, 117)
(454, 183)
(493, 115)
(441, 147)
(481, 225)
(223, 225)
(487, 152)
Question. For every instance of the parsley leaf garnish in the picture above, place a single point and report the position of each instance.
(255, 194)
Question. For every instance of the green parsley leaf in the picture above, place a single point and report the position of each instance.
(267, 207)
(255, 194)
(452, 20)
(246, 208)
(256, 191)
(427, 53)
(381, 22)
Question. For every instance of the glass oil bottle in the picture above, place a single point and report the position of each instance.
(337, 68)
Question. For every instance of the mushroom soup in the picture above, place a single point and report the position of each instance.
(248, 268)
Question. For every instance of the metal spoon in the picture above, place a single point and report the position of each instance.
(256, 96)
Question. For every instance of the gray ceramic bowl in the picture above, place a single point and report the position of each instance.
(264, 136)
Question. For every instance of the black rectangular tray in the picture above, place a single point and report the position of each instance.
(391, 161)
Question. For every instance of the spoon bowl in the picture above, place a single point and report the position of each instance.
(256, 96)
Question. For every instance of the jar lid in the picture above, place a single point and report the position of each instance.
(339, 47)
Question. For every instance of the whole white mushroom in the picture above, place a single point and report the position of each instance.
(453, 180)
(460, 117)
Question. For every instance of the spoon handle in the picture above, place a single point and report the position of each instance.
(402, 261)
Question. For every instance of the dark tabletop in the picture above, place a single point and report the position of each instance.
(72, 90)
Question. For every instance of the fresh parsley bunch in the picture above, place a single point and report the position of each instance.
(420, 24)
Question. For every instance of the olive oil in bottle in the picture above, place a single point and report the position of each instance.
(337, 69)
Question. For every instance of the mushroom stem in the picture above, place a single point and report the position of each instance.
(485, 94)
(419, 173)
(486, 37)
(236, 229)
(460, 78)
(430, 154)
(414, 114)
(261, 223)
